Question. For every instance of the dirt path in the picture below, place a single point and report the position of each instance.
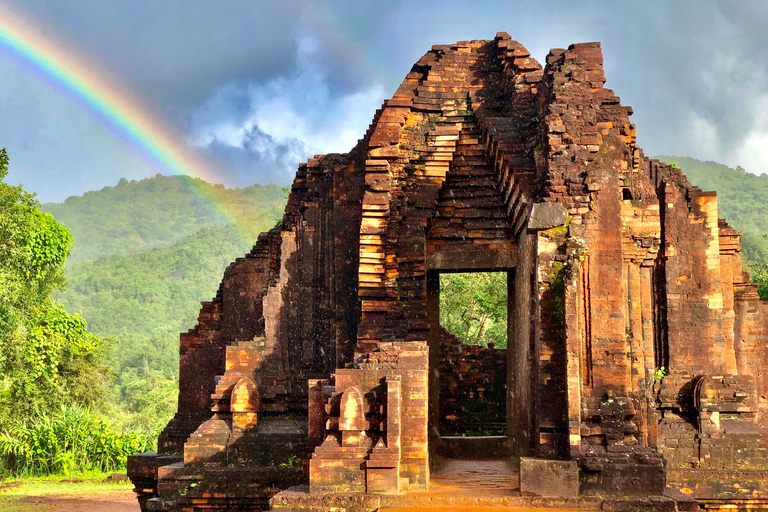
(119, 500)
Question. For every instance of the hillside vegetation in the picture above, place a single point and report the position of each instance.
(742, 199)
(146, 254)
(473, 307)
(155, 212)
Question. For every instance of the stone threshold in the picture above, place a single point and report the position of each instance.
(299, 499)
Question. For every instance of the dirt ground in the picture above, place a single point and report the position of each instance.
(119, 501)
(115, 500)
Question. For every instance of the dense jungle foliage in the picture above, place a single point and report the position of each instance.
(473, 307)
(68, 440)
(48, 358)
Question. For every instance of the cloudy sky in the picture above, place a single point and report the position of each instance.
(256, 87)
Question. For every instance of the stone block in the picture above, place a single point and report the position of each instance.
(343, 475)
(546, 216)
(549, 478)
(383, 479)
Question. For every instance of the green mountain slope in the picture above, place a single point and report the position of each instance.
(742, 200)
(154, 212)
(142, 301)
(158, 289)
(149, 253)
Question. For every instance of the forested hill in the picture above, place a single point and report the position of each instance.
(146, 254)
(742, 199)
(156, 212)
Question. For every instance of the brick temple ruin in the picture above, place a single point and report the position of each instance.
(635, 371)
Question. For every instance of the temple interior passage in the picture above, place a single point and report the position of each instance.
(472, 380)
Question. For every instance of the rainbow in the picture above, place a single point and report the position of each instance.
(111, 103)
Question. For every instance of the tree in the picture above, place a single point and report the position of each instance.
(760, 276)
(47, 356)
(473, 307)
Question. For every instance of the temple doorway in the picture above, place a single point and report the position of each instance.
(472, 363)
(470, 313)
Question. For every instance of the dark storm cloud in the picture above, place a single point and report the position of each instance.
(171, 52)
(283, 121)
(694, 70)
(260, 86)
(260, 154)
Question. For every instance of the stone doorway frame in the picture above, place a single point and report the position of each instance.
(444, 262)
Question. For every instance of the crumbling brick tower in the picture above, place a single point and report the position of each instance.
(316, 362)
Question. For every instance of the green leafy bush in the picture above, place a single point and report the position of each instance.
(760, 276)
(71, 439)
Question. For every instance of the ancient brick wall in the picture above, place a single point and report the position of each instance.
(692, 265)
(751, 338)
(202, 349)
(472, 388)
(442, 121)
(652, 287)
(370, 423)
(584, 136)
(521, 362)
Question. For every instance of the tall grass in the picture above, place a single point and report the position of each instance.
(73, 439)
